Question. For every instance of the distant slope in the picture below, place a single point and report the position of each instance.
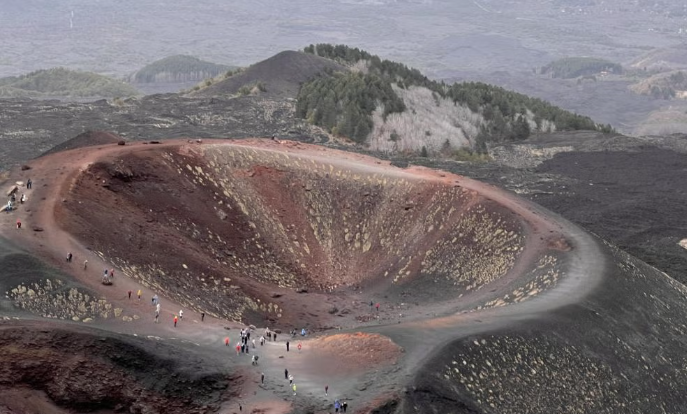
(86, 139)
(574, 67)
(61, 82)
(279, 76)
(178, 68)
(667, 85)
(666, 59)
(393, 108)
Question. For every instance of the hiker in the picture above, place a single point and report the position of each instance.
(262, 378)
(344, 406)
(22, 199)
(129, 295)
(157, 316)
(262, 340)
(155, 299)
(175, 321)
(18, 224)
(139, 295)
(112, 273)
(181, 314)
(252, 360)
(85, 266)
(303, 332)
(274, 336)
(377, 306)
(253, 342)
(326, 390)
(287, 346)
(286, 373)
(157, 308)
(28, 184)
(299, 347)
(69, 258)
(290, 379)
(202, 316)
(9, 207)
(226, 341)
(337, 405)
(238, 349)
(104, 274)
(294, 389)
(243, 348)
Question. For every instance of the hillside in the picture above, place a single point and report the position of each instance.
(279, 76)
(178, 69)
(61, 82)
(667, 85)
(662, 59)
(574, 67)
(376, 102)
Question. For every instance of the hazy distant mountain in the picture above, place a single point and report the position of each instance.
(61, 82)
(178, 68)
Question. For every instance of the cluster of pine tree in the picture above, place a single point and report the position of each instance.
(506, 112)
(343, 102)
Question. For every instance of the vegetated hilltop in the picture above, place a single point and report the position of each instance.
(61, 82)
(574, 67)
(663, 85)
(177, 69)
(279, 76)
(391, 107)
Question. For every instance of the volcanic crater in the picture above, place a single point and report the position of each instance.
(236, 230)
(382, 264)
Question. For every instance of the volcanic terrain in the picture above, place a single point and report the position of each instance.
(421, 291)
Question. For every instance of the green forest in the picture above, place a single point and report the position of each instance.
(574, 67)
(343, 103)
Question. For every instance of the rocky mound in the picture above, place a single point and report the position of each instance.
(86, 139)
(279, 76)
(88, 372)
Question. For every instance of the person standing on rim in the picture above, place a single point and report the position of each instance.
(287, 346)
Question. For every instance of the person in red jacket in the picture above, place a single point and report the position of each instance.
(175, 321)
(18, 223)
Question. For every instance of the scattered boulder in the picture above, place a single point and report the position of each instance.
(25, 167)
(333, 310)
(302, 290)
(276, 295)
(121, 142)
(37, 228)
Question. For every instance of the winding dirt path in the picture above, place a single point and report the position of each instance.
(420, 339)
